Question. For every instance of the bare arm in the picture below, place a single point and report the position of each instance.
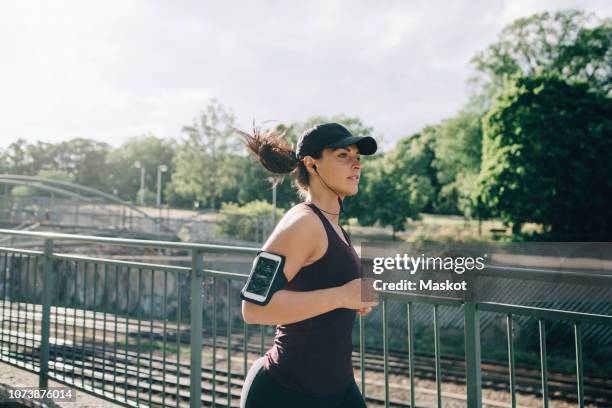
(297, 239)
(287, 306)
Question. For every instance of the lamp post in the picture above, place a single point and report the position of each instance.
(140, 166)
(162, 168)
(271, 180)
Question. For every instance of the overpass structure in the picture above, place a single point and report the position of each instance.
(76, 208)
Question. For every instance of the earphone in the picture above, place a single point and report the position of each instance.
(314, 167)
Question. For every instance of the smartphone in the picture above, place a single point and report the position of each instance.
(264, 273)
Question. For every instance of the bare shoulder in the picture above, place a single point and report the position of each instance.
(299, 214)
(298, 237)
(298, 222)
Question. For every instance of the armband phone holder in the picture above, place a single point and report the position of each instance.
(265, 278)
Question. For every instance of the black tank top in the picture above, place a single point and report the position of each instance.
(313, 356)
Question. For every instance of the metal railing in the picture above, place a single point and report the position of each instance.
(76, 331)
(118, 330)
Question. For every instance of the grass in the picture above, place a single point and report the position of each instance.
(436, 227)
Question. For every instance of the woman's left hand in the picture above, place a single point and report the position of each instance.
(364, 311)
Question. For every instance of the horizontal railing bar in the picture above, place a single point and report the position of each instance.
(529, 273)
(225, 275)
(545, 313)
(556, 276)
(134, 242)
(21, 251)
(564, 276)
(408, 297)
(104, 261)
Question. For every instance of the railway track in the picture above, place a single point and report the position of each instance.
(153, 381)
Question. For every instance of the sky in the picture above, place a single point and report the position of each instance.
(110, 70)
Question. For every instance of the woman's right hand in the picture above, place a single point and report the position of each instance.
(351, 294)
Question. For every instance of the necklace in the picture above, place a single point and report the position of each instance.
(324, 210)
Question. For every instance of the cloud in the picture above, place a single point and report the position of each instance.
(110, 70)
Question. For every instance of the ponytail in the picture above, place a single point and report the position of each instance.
(276, 156)
(271, 150)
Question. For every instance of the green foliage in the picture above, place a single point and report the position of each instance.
(208, 166)
(204, 162)
(26, 159)
(248, 222)
(359, 205)
(546, 158)
(151, 151)
(146, 196)
(390, 194)
(255, 183)
(21, 191)
(85, 160)
(410, 164)
(457, 147)
(176, 199)
(59, 175)
(570, 43)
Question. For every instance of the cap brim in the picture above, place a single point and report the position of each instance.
(366, 144)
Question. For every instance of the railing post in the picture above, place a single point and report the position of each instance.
(472, 354)
(195, 385)
(43, 377)
(122, 217)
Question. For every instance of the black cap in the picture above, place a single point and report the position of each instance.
(332, 135)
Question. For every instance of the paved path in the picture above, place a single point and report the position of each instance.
(11, 376)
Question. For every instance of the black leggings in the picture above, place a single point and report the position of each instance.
(263, 391)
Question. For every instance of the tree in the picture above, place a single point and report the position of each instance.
(546, 158)
(252, 222)
(151, 151)
(204, 161)
(254, 184)
(85, 160)
(391, 194)
(17, 159)
(360, 205)
(58, 175)
(415, 156)
(457, 150)
(570, 43)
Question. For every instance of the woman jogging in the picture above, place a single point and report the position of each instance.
(310, 364)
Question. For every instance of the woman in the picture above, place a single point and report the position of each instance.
(310, 363)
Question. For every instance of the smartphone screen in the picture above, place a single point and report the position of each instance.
(262, 276)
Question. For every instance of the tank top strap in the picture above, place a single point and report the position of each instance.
(328, 227)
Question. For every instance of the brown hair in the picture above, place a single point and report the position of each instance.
(276, 156)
